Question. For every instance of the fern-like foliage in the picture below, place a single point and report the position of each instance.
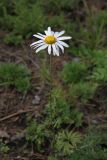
(58, 112)
(74, 72)
(82, 90)
(66, 142)
(99, 73)
(21, 24)
(15, 75)
(93, 147)
(35, 133)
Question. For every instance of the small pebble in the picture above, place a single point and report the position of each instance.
(36, 100)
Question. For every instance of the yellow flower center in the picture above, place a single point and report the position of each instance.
(50, 39)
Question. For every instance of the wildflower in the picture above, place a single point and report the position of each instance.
(51, 40)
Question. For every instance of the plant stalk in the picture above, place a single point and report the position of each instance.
(51, 79)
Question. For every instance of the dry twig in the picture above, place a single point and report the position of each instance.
(16, 114)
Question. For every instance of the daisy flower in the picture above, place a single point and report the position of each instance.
(53, 41)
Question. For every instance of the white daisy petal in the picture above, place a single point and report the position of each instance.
(55, 51)
(49, 30)
(53, 46)
(47, 33)
(38, 45)
(60, 33)
(34, 43)
(37, 36)
(52, 33)
(63, 43)
(64, 38)
(42, 47)
(49, 49)
(56, 34)
(41, 35)
(60, 46)
(57, 47)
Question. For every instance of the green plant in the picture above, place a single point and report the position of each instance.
(100, 74)
(74, 72)
(21, 24)
(93, 147)
(98, 57)
(66, 142)
(25, 23)
(36, 134)
(13, 39)
(92, 35)
(54, 7)
(3, 147)
(15, 75)
(99, 60)
(60, 113)
(82, 90)
(77, 117)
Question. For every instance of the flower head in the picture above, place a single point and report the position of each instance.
(51, 40)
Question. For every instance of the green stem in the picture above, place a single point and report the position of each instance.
(51, 78)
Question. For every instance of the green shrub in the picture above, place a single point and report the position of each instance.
(53, 6)
(74, 72)
(26, 18)
(82, 90)
(13, 39)
(6, 21)
(58, 112)
(59, 14)
(26, 24)
(100, 74)
(66, 142)
(92, 35)
(36, 134)
(93, 147)
(99, 59)
(15, 75)
(15, 17)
